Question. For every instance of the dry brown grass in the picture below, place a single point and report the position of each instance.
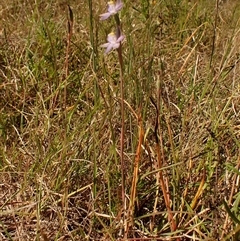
(60, 170)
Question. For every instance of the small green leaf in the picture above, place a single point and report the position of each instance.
(234, 218)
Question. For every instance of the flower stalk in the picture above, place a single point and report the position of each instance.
(115, 42)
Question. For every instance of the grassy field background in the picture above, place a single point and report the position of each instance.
(60, 121)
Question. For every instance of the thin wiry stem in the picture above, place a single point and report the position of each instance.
(122, 125)
(123, 166)
(93, 40)
(69, 36)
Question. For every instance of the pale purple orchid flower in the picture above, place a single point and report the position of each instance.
(113, 8)
(113, 42)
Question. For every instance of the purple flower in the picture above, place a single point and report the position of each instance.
(113, 8)
(113, 42)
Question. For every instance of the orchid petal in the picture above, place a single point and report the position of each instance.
(119, 5)
(109, 48)
(115, 45)
(120, 39)
(113, 8)
(105, 16)
(113, 42)
(111, 38)
(105, 45)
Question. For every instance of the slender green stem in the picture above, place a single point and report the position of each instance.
(122, 123)
(92, 40)
(94, 49)
(123, 166)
